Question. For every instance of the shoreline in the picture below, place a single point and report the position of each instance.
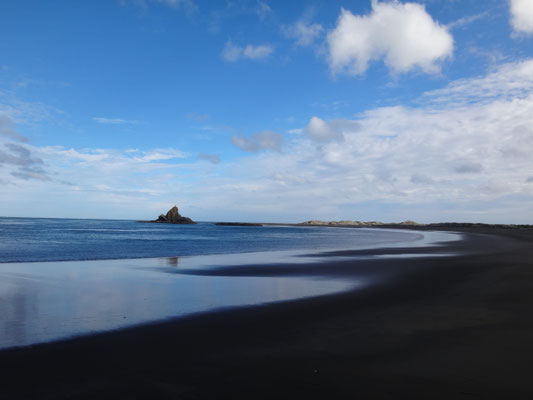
(439, 327)
(170, 255)
(109, 295)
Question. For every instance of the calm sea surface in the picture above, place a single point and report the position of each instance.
(25, 240)
(61, 278)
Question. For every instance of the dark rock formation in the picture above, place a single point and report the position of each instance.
(238, 224)
(173, 217)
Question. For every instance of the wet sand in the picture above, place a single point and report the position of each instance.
(429, 328)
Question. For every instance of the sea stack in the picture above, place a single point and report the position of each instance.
(173, 217)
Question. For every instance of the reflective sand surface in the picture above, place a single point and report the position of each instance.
(45, 301)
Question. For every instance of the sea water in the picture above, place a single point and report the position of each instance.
(25, 239)
(61, 278)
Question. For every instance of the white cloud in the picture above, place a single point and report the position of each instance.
(462, 154)
(257, 52)
(108, 183)
(473, 156)
(114, 121)
(111, 157)
(319, 130)
(403, 35)
(522, 16)
(233, 52)
(88, 170)
(159, 154)
(303, 31)
(265, 140)
(508, 81)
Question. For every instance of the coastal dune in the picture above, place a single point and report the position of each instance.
(432, 328)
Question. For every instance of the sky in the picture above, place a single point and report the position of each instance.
(263, 110)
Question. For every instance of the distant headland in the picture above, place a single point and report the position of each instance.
(411, 224)
(356, 223)
(174, 217)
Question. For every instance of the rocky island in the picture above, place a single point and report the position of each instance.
(172, 217)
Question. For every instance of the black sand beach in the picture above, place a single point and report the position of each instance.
(430, 328)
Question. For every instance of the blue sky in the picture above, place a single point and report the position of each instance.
(267, 110)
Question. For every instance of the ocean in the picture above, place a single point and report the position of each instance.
(29, 239)
(61, 278)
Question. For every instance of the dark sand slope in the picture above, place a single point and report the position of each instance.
(438, 328)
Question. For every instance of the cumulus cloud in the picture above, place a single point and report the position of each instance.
(304, 32)
(403, 35)
(265, 140)
(405, 157)
(233, 52)
(472, 156)
(320, 130)
(522, 16)
(114, 121)
(325, 131)
(212, 158)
